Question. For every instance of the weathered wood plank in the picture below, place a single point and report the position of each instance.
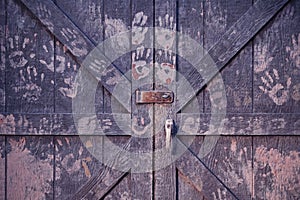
(165, 71)
(237, 76)
(194, 169)
(117, 124)
(190, 22)
(231, 161)
(63, 124)
(77, 43)
(241, 124)
(121, 190)
(234, 39)
(87, 15)
(2, 54)
(117, 18)
(74, 165)
(29, 68)
(276, 64)
(30, 167)
(276, 167)
(187, 189)
(142, 122)
(103, 182)
(2, 167)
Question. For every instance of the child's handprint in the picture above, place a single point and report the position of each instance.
(165, 38)
(44, 15)
(140, 68)
(262, 59)
(276, 91)
(138, 28)
(78, 45)
(294, 50)
(16, 57)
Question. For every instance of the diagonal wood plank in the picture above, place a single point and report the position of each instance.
(233, 40)
(62, 27)
(100, 184)
(194, 169)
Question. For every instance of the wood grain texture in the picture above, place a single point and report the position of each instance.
(117, 18)
(2, 54)
(186, 189)
(190, 22)
(2, 167)
(276, 167)
(29, 167)
(231, 161)
(233, 40)
(102, 183)
(74, 164)
(193, 168)
(237, 75)
(29, 68)
(240, 124)
(142, 119)
(63, 124)
(77, 43)
(165, 73)
(88, 16)
(276, 64)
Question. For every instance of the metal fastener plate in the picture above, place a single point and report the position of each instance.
(154, 96)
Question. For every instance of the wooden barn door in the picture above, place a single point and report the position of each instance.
(45, 43)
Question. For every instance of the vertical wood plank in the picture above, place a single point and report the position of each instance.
(186, 189)
(237, 76)
(122, 189)
(2, 167)
(117, 18)
(231, 161)
(276, 63)
(30, 63)
(190, 22)
(29, 167)
(74, 165)
(87, 15)
(2, 54)
(276, 167)
(165, 79)
(142, 78)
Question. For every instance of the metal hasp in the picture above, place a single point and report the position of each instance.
(154, 96)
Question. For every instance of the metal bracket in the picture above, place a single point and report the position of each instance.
(154, 96)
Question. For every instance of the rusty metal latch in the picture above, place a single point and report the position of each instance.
(154, 96)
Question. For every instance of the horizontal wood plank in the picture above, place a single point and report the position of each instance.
(240, 124)
(63, 124)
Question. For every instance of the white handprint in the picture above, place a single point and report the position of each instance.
(276, 91)
(77, 44)
(140, 68)
(220, 194)
(294, 50)
(165, 38)
(262, 58)
(138, 28)
(44, 14)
